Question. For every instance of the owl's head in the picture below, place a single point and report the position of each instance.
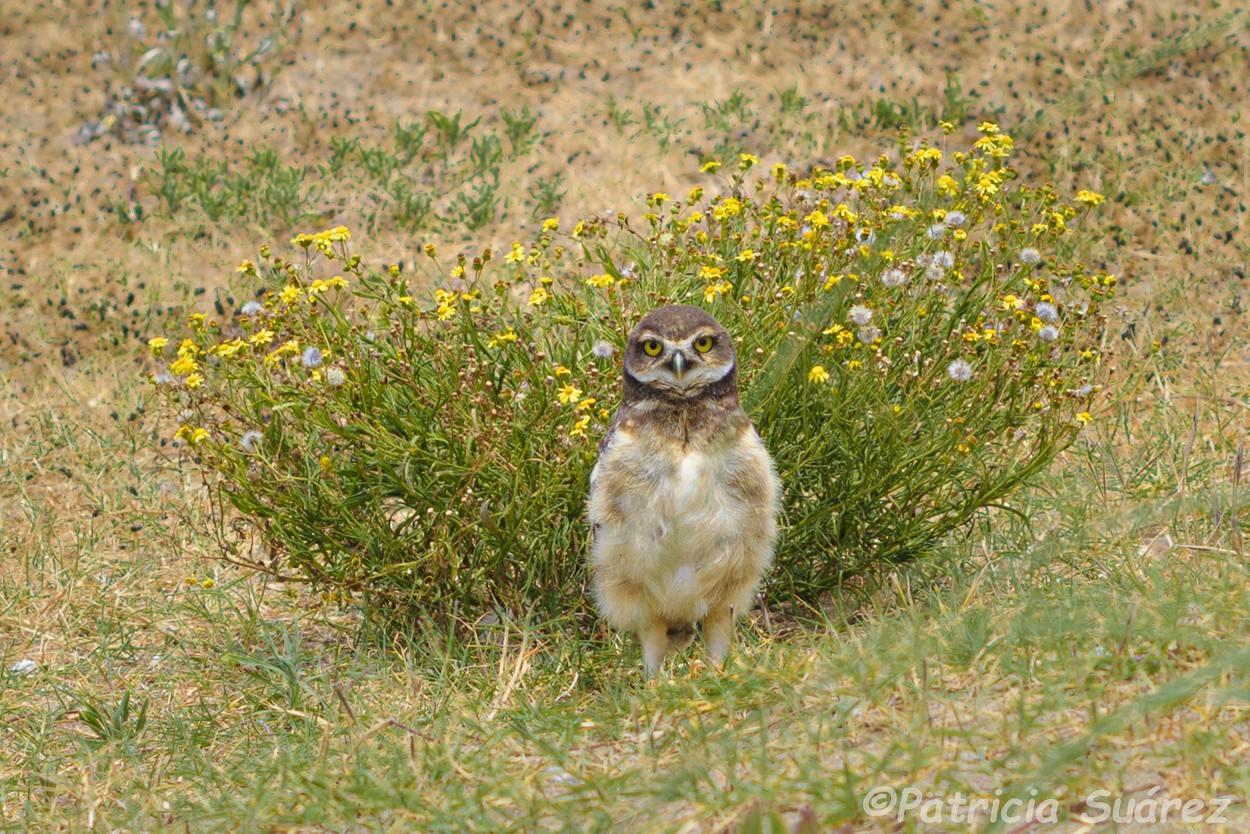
(680, 352)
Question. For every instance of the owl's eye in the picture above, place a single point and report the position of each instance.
(703, 344)
(652, 347)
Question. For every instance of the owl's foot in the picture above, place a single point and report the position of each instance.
(718, 632)
(655, 642)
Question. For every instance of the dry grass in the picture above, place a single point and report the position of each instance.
(1092, 649)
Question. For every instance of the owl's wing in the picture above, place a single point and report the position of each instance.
(622, 414)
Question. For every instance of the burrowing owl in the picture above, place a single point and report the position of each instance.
(683, 500)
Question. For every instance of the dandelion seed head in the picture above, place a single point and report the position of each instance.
(311, 357)
(1047, 312)
(943, 259)
(867, 236)
(956, 218)
(1029, 255)
(1048, 333)
(894, 278)
(250, 441)
(959, 370)
(603, 350)
(1085, 390)
(937, 231)
(869, 333)
(163, 378)
(335, 377)
(860, 314)
(252, 308)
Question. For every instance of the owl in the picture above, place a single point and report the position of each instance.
(684, 497)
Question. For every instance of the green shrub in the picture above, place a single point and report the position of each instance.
(916, 340)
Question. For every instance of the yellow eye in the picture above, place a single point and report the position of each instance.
(703, 344)
(652, 347)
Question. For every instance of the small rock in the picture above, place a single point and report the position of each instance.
(24, 667)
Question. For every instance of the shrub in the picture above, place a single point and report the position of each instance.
(916, 339)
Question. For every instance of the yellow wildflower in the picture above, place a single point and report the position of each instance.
(947, 185)
(818, 375)
(551, 224)
(745, 255)
(184, 365)
(746, 161)
(517, 254)
(710, 167)
(1084, 418)
(157, 345)
(262, 337)
(729, 207)
(195, 380)
(711, 273)
(290, 294)
(602, 282)
(569, 393)
(1090, 198)
(817, 219)
(579, 428)
(711, 291)
(538, 297)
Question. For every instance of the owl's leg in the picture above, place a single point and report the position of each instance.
(718, 631)
(654, 639)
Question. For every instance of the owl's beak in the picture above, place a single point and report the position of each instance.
(679, 365)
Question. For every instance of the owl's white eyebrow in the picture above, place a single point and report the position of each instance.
(647, 334)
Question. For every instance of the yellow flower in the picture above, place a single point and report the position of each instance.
(817, 219)
(303, 241)
(746, 161)
(946, 185)
(551, 224)
(208, 584)
(1090, 198)
(710, 167)
(779, 171)
(560, 371)
(579, 428)
(659, 198)
(157, 345)
(195, 380)
(711, 273)
(854, 365)
(569, 393)
(988, 128)
(517, 254)
(192, 435)
(262, 337)
(325, 463)
(745, 255)
(711, 291)
(728, 207)
(586, 403)
(430, 250)
(818, 375)
(184, 365)
(445, 311)
(1084, 418)
(538, 297)
(504, 337)
(188, 348)
(601, 281)
(579, 229)
(247, 268)
(290, 294)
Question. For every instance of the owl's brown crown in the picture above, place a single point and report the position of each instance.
(680, 352)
